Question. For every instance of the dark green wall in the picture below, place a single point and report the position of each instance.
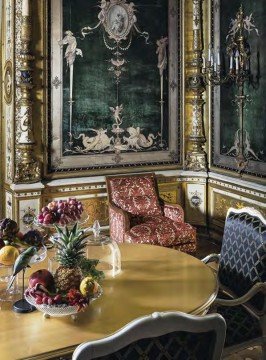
(255, 113)
(94, 87)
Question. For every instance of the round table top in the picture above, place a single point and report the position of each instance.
(152, 279)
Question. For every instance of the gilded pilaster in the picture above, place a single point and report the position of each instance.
(196, 158)
(27, 167)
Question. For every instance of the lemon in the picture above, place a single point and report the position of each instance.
(8, 255)
(88, 286)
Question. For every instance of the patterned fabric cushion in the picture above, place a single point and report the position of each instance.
(173, 346)
(174, 212)
(159, 230)
(136, 195)
(243, 254)
(241, 325)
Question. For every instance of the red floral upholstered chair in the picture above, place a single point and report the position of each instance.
(137, 215)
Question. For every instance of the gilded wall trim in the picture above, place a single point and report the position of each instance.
(27, 169)
(196, 158)
(220, 201)
(237, 188)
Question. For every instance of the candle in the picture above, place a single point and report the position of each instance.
(25, 8)
(215, 67)
(231, 62)
(209, 52)
(218, 56)
(237, 61)
(203, 62)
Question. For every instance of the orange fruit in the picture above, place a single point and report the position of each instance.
(8, 255)
(88, 286)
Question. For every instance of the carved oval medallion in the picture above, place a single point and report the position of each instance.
(8, 82)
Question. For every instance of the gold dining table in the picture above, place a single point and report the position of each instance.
(152, 279)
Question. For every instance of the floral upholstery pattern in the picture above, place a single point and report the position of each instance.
(137, 215)
(119, 223)
(174, 212)
(160, 230)
(136, 195)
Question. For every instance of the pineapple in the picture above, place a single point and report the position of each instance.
(70, 246)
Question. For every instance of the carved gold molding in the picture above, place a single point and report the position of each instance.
(196, 158)
(27, 167)
(221, 200)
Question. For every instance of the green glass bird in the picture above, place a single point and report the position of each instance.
(22, 262)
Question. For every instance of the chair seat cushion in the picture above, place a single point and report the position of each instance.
(160, 230)
(241, 325)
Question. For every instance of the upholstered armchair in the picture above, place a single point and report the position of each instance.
(137, 215)
(242, 275)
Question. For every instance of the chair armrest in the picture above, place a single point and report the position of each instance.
(210, 258)
(118, 222)
(258, 287)
(174, 212)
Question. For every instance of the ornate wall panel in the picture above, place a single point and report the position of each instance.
(9, 205)
(195, 204)
(115, 84)
(23, 203)
(225, 118)
(8, 87)
(224, 194)
(171, 192)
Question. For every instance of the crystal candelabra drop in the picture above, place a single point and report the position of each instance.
(238, 52)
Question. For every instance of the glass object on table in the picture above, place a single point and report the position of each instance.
(5, 276)
(104, 249)
(22, 306)
(50, 229)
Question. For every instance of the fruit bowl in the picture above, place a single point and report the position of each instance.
(62, 309)
(83, 219)
(61, 212)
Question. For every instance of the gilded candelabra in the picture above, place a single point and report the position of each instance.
(238, 51)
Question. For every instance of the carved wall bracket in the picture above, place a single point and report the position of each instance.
(27, 167)
(196, 158)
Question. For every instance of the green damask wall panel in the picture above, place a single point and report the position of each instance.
(94, 89)
(255, 113)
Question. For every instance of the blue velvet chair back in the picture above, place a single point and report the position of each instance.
(161, 336)
(243, 253)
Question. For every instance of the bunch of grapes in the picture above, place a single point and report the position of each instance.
(42, 297)
(61, 212)
(72, 298)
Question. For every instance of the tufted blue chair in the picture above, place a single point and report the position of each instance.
(242, 275)
(169, 335)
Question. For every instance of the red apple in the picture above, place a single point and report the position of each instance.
(20, 235)
(43, 277)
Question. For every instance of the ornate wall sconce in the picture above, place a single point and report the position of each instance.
(238, 52)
